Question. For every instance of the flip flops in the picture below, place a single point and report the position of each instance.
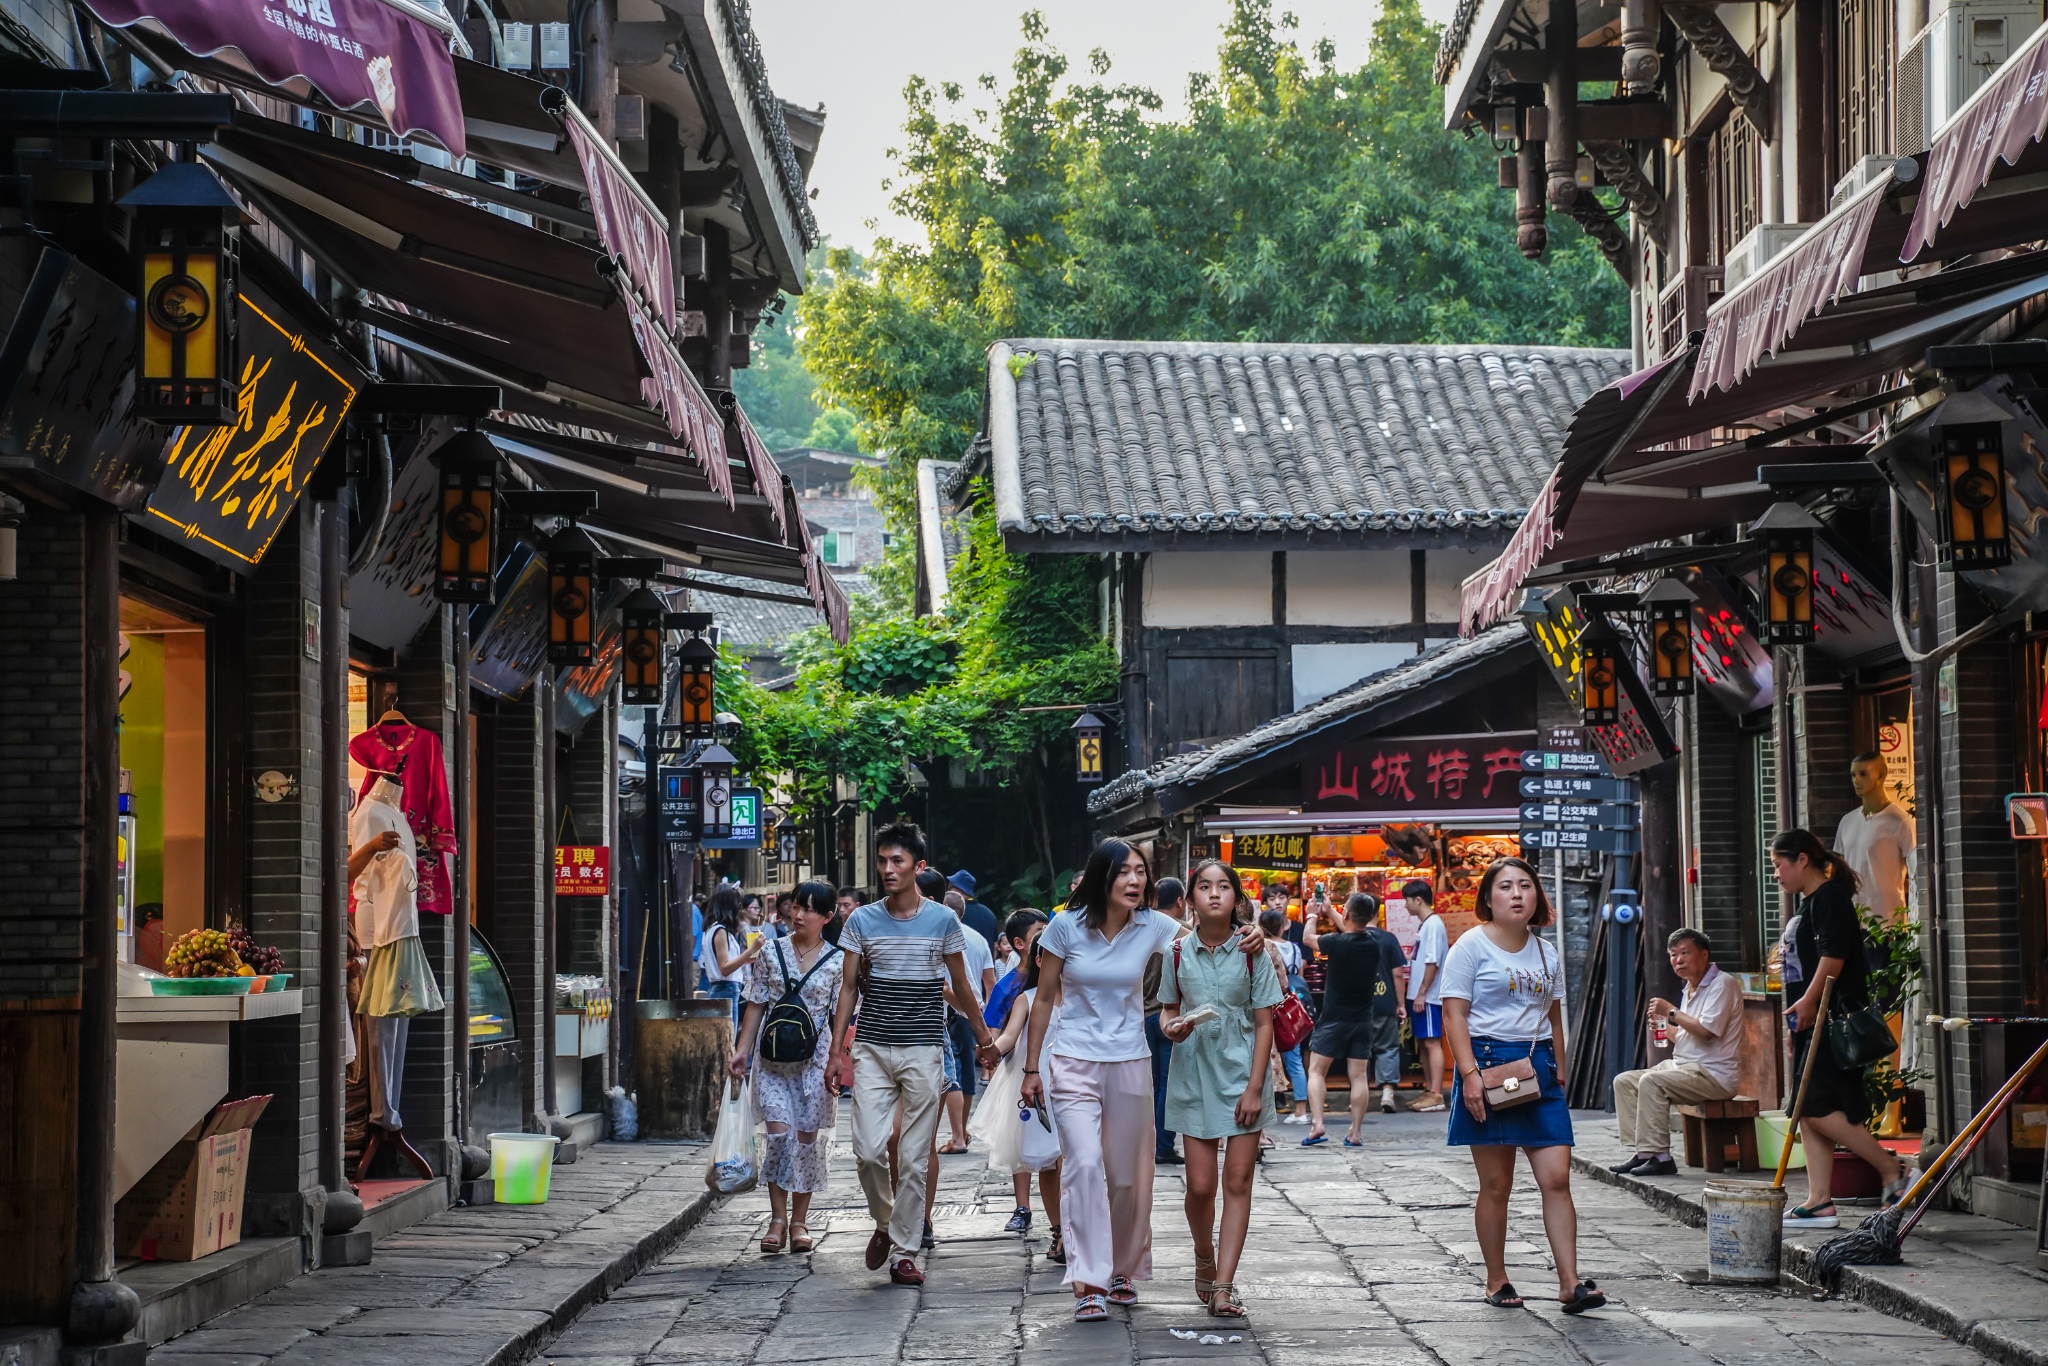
(1585, 1295)
(1507, 1297)
(1315, 1140)
(1090, 1309)
(1121, 1291)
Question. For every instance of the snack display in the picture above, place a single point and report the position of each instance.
(204, 953)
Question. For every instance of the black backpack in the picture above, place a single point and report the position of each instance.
(789, 1034)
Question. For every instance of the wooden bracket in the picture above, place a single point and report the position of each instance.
(1701, 27)
(1621, 170)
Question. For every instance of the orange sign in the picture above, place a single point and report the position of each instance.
(583, 869)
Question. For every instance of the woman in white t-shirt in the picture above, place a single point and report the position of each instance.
(1099, 1071)
(1503, 1001)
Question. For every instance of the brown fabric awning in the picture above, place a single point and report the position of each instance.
(2006, 115)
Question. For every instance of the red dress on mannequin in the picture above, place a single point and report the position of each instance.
(413, 755)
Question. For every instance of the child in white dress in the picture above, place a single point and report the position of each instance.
(1020, 1141)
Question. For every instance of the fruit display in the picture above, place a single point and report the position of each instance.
(262, 959)
(203, 953)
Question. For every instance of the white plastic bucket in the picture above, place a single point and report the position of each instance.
(521, 1167)
(1745, 1231)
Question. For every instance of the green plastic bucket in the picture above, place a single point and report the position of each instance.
(521, 1165)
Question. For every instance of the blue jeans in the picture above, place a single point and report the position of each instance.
(1297, 1075)
(726, 991)
(1162, 1061)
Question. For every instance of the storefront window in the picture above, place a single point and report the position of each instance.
(162, 870)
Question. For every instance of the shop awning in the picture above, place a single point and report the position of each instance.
(2006, 115)
(391, 56)
(1644, 461)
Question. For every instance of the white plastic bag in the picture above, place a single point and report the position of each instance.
(735, 1153)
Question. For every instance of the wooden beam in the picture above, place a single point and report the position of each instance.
(1726, 58)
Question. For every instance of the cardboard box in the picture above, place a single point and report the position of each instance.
(2030, 1125)
(190, 1203)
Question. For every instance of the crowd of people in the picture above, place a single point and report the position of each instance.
(1152, 1022)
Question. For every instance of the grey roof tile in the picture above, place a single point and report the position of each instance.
(1220, 436)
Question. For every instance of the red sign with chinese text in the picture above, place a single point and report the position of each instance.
(583, 869)
(1404, 775)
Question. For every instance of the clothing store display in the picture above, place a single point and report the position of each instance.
(413, 755)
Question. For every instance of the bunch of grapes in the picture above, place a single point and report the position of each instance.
(202, 953)
(261, 958)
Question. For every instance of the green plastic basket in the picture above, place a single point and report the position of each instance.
(201, 986)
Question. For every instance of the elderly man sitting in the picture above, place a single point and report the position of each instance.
(1705, 1063)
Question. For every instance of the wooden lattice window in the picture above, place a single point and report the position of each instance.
(1866, 51)
(1734, 183)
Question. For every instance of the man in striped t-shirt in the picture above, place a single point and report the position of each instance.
(903, 954)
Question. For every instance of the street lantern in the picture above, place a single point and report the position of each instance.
(1670, 605)
(696, 688)
(572, 598)
(1087, 730)
(1786, 586)
(785, 841)
(1970, 507)
(184, 241)
(469, 543)
(640, 646)
(714, 792)
(1601, 660)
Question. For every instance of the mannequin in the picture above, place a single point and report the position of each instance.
(383, 869)
(411, 755)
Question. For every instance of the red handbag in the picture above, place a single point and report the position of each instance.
(1292, 1024)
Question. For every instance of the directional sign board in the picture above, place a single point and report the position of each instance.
(678, 805)
(1556, 761)
(1580, 815)
(1572, 788)
(1586, 841)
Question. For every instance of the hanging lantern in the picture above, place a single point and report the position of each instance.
(1087, 730)
(785, 841)
(696, 688)
(714, 793)
(469, 542)
(1787, 582)
(1601, 662)
(640, 644)
(572, 613)
(1670, 605)
(184, 241)
(1971, 504)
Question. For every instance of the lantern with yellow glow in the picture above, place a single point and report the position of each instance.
(1670, 605)
(183, 239)
(696, 688)
(640, 645)
(572, 597)
(1601, 660)
(714, 793)
(1970, 505)
(469, 543)
(1786, 581)
(1087, 730)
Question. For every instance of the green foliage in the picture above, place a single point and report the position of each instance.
(833, 430)
(776, 389)
(901, 655)
(1895, 955)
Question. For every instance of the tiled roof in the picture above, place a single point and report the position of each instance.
(754, 625)
(1202, 437)
(1431, 670)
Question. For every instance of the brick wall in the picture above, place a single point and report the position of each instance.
(518, 919)
(1824, 719)
(1719, 772)
(49, 23)
(282, 706)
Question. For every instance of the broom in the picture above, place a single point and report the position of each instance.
(1876, 1241)
(1827, 989)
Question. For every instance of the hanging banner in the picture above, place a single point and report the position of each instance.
(583, 869)
(382, 53)
(227, 491)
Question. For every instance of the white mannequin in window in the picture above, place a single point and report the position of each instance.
(1876, 839)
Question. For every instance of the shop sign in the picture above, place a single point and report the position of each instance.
(583, 869)
(67, 382)
(746, 821)
(1557, 787)
(227, 491)
(512, 647)
(1403, 774)
(1281, 853)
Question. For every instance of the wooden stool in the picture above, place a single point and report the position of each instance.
(1713, 1126)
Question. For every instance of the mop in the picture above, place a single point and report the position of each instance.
(1876, 1241)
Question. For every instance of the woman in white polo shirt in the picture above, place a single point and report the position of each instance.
(1099, 1075)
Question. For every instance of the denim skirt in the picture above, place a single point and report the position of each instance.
(1546, 1123)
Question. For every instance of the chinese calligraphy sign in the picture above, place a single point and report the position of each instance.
(1402, 775)
(583, 869)
(1280, 853)
(228, 490)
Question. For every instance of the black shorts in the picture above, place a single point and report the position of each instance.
(1342, 1039)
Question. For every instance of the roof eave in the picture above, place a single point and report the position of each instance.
(1467, 75)
(1041, 541)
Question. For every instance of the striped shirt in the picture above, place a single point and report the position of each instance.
(903, 1005)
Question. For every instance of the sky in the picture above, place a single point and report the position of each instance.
(856, 58)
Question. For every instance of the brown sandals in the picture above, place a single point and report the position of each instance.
(800, 1238)
(1224, 1303)
(1204, 1285)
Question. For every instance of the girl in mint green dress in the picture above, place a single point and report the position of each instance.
(1219, 1090)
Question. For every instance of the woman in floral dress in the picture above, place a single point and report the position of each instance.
(797, 1107)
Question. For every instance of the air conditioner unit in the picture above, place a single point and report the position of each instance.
(1948, 60)
(1757, 249)
(1864, 174)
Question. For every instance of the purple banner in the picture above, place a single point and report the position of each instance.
(354, 52)
(631, 230)
(1996, 124)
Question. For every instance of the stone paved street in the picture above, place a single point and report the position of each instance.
(1357, 1256)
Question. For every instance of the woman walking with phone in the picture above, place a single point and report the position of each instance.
(1503, 1004)
(1216, 1005)
(1099, 1071)
(790, 993)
